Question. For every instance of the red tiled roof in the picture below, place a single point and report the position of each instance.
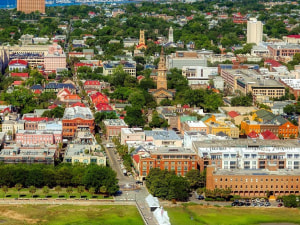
(17, 82)
(99, 95)
(37, 91)
(52, 106)
(72, 97)
(136, 158)
(36, 119)
(19, 75)
(140, 77)
(141, 45)
(294, 36)
(92, 82)
(104, 107)
(83, 64)
(273, 62)
(78, 104)
(186, 106)
(19, 61)
(233, 114)
(268, 135)
(64, 90)
(253, 134)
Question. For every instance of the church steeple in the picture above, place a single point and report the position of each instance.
(162, 71)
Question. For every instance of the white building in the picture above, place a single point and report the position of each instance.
(199, 75)
(171, 39)
(254, 31)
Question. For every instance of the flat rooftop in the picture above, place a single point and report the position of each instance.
(257, 172)
(162, 134)
(78, 112)
(247, 143)
(114, 122)
(132, 130)
(171, 150)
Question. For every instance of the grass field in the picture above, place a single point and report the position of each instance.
(24, 193)
(196, 214)
(69, 215)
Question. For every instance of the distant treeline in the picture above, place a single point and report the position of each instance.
(65, 175)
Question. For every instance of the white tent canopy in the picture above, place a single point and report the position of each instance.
(152, 201)
(162, 216)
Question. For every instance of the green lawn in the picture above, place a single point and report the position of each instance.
(196, 214)
(24, 193)
(69, 215)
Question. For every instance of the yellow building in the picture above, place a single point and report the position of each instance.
(142, 43)
(226, 127)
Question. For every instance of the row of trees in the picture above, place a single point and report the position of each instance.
(64, 175)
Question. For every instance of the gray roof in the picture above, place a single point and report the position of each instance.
(162, 134)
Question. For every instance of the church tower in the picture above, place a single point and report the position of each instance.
(142, 43)
(142, 37)
(171, 40)
(162, 72)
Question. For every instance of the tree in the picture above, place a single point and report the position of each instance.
(5, 190)
(290, 201)
(32, 190)
(58, 189)
(46, 190)
(103, 189)
(137, 99)
(18, 188)
(195, 178)
(92, 191)
(157, 121)
(134, 117)
(80, 190)
(69, 190)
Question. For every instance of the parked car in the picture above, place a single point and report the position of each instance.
(280, 205)
(267, 204)
(139, 182)
(200, 197)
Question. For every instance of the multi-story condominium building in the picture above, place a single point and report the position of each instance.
(113, 127)
(37, 137)
(132, 135)
(29, 6)
(286, 50)
(84, 148)
(250, 81)
(178, 159)
(254, 183)
(55, 59)
(185, 58)
(198, 75)
(28, 154)
(77, 116)
(128, 67)
(254, 31)
(191, 136)
(163, 138)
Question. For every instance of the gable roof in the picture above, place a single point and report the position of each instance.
(92, 82)
(36, 87)
(104, 107)
(18, 61)
(233, 114)
(98, 95)
(26, 75)
(53, 85)
(265, 115)
(253, 134)
(72, 97)
(136, 158)
(268, 135)
(78, 104)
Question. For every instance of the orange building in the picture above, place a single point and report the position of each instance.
(288, 130)
(29, 6)
(77, 116)
(249, 126)
(177, 159)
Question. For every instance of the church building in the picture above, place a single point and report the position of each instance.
(162, 92)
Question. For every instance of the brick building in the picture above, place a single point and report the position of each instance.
(254, 183)
(178, 159)
(113, 127)
(37, 137)
(77, 116)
